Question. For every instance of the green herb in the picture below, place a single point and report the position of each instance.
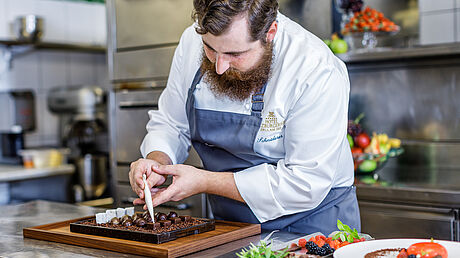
(346, 233)
(261, 251)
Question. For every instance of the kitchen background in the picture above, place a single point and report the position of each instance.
(410, 91)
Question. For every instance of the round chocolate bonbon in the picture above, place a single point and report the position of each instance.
(172, 214)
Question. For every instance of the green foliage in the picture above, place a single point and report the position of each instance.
(261, 251)
(346, 233)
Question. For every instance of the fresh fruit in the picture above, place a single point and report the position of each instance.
(369, 20)
(356, 151)
(327, 42)
(395, 143)
(350, 140)
(302, 242)
(354, 127)
(338, 45)
(373, 145)
(368, 165)
(362, 140)
(427, 250)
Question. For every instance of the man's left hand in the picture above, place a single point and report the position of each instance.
(187, 181)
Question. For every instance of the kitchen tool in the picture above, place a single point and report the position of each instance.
(362, 248)
(10, 144)
(28, 28)
(225, 232)
(148, 198)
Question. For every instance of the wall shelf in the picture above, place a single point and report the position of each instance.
(53, 45)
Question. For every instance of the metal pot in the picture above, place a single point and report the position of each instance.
(28, 28)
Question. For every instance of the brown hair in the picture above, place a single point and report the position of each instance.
(215, 16)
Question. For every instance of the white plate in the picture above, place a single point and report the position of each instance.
(360, 249)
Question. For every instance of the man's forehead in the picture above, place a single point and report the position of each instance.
(235, 39)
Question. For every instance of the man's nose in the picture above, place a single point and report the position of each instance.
(222, 64)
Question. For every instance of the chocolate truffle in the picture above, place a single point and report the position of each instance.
(115, 221)
(127, 223)
(140, 222)
(125, 217)
(172, 214)
(161, 216)
(135, 216)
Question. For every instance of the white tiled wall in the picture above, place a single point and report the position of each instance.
(439, 21)
(435, 5)
(64, 21)
(42, 70)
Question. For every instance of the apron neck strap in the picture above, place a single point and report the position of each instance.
(258, 102)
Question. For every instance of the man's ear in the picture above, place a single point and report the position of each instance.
(272, 32)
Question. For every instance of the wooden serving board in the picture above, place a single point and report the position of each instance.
(224, 232)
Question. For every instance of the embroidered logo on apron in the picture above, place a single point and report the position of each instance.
(271, 124)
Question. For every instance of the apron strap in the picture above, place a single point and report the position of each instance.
(258, 102)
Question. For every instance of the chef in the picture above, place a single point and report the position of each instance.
(264, 102)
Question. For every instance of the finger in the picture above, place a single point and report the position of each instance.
(166, 170)
(138, 201)
(162, 196)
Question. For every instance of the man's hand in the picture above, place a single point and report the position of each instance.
(137, 169)
(187, 181)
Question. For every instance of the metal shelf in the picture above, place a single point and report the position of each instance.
(55, 46)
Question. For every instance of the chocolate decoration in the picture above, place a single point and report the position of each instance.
(140, 222)
(135, 216)
(185, 218)
(115, 221)
(125, 217)
(175, 220)
(127, 223)
(161, 216)
(153, 226)
(165, 223)
(172, 214)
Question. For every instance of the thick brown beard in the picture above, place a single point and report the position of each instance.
(235, 84)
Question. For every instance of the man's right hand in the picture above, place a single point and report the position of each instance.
(140, 167)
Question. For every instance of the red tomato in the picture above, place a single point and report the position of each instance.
(427, 250)
(402, 254)
(362, 140)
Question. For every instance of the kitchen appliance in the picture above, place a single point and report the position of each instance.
(28, 28)
(139, 58)
(10, 144)
(83, 129)
(17, 109)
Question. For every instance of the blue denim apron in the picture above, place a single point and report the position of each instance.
(225, 142)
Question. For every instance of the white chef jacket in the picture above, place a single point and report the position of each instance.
(304, 122)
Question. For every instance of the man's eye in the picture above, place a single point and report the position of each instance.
(235, 55)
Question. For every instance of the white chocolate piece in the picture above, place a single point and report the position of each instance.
(121, 212)
(148, 198)
(101, 218)
(129, 211)
(112, 213)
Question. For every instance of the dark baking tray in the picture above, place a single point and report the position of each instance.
(148, 237)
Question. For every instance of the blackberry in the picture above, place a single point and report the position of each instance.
(412, 256)
(328, 248)
(321, 251)
(312, 247)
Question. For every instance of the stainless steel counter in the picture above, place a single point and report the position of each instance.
(16, 172)
(381, 54)
(16, 217)
(410, 203)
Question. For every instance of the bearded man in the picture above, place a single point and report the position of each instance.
(264, 103)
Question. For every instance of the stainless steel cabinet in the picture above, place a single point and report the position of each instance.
(385, 220)
(142, 23)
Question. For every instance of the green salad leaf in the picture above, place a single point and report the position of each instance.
(261, 251)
